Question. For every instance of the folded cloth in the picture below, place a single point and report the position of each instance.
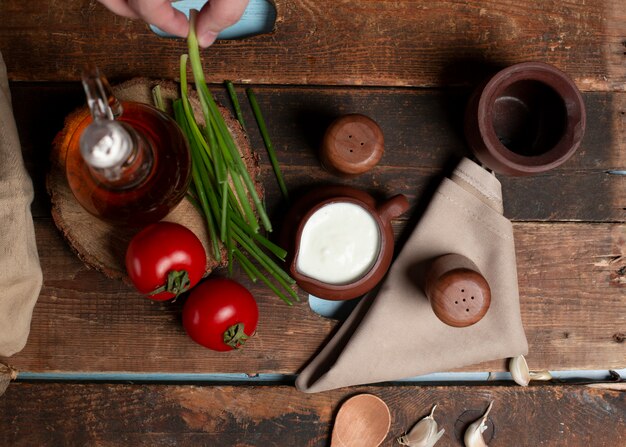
(20, 272)
(395, 334)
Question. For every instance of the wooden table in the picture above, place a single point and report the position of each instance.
(409, 65)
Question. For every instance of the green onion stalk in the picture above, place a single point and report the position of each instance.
(222, 189)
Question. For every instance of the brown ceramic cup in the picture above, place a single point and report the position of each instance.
(527, 119)
(298, 216)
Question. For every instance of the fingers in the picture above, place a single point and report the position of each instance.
(215, 16)
(160, 13)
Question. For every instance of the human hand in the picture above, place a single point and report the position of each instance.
(214, 16)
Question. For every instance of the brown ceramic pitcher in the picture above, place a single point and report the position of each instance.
(381, 214)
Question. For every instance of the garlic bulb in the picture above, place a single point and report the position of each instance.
(518, 367)
(474, 433)
(423, 434)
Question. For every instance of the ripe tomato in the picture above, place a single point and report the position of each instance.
(164, 260)
(220, 314)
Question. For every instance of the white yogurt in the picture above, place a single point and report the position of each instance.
(340, 243)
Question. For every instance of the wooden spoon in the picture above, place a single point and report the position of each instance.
(362, 421)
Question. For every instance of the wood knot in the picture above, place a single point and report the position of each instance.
(619, 276)
(619, 337)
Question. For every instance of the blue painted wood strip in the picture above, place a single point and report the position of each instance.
(153, 377)
(449, 377)
(258, 18)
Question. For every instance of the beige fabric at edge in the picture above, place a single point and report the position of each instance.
(20, 273)
(395, 334)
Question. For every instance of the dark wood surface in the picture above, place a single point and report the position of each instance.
(324, 42)
(410, 66)
(423, 132)
(148, 415)
(571, 273)
(571, 280)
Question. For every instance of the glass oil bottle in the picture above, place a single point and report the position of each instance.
(127, 163)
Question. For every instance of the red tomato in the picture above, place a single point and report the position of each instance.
(220, 314)
(164, 260)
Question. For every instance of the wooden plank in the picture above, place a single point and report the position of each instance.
(572, 281)
(324, 42)
(103, 414)
(423, 139)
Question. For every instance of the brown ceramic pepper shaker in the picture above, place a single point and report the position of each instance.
(459, 294)
(352, 145)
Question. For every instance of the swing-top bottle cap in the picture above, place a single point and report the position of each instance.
(105, 144)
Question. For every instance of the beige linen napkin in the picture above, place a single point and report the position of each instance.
(20, 273)
(395, 333)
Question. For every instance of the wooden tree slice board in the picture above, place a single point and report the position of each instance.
(102, 245)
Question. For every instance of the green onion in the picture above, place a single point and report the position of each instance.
(214, 119)
(198, 183)
(222, 189)
(268, 143)
(247, 266)
(233, 98)
(158, 98)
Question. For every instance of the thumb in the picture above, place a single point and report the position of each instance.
(215, 16)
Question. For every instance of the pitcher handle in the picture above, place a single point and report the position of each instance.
(393, 208)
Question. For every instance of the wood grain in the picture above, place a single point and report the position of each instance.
(423, 141)
(572, 279)
(323, 42)
(158, 415)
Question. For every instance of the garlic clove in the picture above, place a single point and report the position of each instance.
(423, 434)
(474, 433)
(7, 374)
(518, 368)
(540, 375)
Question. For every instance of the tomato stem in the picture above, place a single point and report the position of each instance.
(177, 282)
(234, 336)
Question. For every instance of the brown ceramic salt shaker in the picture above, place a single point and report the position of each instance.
(352, 145)
(459, 294)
